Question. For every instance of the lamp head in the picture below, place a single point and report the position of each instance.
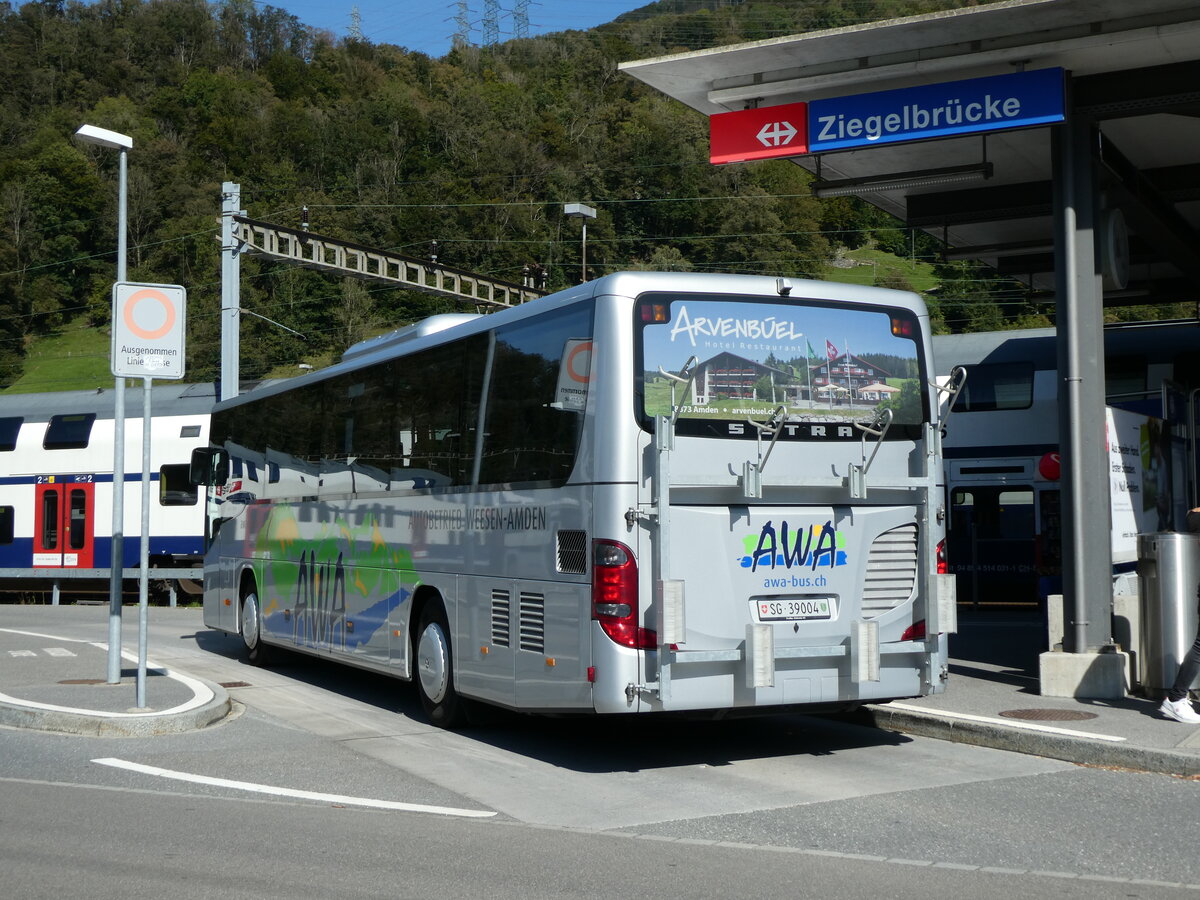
(579, 211)
(102, 137)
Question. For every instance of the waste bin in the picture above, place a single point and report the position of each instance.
(1168, 575)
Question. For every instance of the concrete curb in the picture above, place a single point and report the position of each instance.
(1052, 746)
(43, 717)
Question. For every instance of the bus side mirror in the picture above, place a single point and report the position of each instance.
(210, 465)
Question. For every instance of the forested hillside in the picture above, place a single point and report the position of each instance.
(476, 151)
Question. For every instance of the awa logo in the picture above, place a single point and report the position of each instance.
(813, 547)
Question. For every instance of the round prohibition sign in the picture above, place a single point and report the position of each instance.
(146, 295)
(580, 357)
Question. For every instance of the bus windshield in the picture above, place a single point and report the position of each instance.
(822, 362)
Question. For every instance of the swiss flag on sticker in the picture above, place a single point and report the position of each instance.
(765, 133)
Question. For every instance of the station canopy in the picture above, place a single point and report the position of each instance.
(1131, 68)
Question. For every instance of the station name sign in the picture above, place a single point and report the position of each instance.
(972, 106)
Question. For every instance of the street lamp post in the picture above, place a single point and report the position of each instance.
(122, 143)
(583, 213)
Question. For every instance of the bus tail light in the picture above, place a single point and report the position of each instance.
(942, 568)
(914, 632)
(615, 595)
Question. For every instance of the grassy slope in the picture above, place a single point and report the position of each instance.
(875, 265)
(75, 359)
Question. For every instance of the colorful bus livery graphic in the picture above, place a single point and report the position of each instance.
(310, 579)
(817, 546)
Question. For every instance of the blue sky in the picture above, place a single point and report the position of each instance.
(427, 25)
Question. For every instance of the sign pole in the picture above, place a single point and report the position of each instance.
(144, 574)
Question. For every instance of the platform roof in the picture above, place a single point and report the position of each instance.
(1135, 71)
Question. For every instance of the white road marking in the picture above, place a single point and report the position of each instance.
(291, 792)
(58, 651)
(22, 653)
(1007, 723)
(38, 634)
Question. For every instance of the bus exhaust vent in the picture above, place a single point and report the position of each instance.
(501, 619)
(533, 622)
(891, 571)
(572, 552)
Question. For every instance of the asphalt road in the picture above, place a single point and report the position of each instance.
(329, 783)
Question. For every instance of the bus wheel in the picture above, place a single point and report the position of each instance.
(435, 670)
(256, 651)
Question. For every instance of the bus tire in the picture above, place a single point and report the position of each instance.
(257, 653)
(434, 658)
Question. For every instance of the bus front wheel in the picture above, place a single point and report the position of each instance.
(256, 651)
(435, 670)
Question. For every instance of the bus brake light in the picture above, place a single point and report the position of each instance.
(942, 567)
(615, 596)
(914, 632)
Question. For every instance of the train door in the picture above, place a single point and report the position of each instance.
(64, 523)
(992, 545)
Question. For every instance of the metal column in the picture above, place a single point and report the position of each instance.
(1086, 534)
(116, 564)
(231, 199)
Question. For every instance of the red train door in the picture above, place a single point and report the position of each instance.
(64, 524)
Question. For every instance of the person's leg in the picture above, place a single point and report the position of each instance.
(1188, 670)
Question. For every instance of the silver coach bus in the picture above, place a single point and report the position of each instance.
(649, 492)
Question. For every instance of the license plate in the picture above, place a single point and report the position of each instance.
(792, 609)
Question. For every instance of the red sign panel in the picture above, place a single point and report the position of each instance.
(765, 133)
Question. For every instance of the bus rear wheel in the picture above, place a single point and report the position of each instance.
(435, 670)
(256, 651)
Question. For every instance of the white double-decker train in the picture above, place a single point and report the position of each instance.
(56, 483)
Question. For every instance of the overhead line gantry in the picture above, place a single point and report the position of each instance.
(300, 247)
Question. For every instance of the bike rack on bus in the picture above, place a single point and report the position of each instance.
(857, 479)
(956, 381)
(668, 592)
(752, 472)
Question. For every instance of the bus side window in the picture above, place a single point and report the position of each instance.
(533, 420)
(437, 401)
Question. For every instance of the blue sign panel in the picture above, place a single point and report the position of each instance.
(937, 110)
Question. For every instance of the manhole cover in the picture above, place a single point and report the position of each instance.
(1048, 715)
(233, 684)
(83, 681)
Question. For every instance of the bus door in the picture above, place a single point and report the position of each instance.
(64, 522)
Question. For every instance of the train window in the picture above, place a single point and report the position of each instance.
(69, 432)
(189, 431)
(175, 486)
(10, 427)
(50, 520)
(992, 386)
(77, 529)
(7, 514)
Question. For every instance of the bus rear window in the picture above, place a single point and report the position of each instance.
(823, 363)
